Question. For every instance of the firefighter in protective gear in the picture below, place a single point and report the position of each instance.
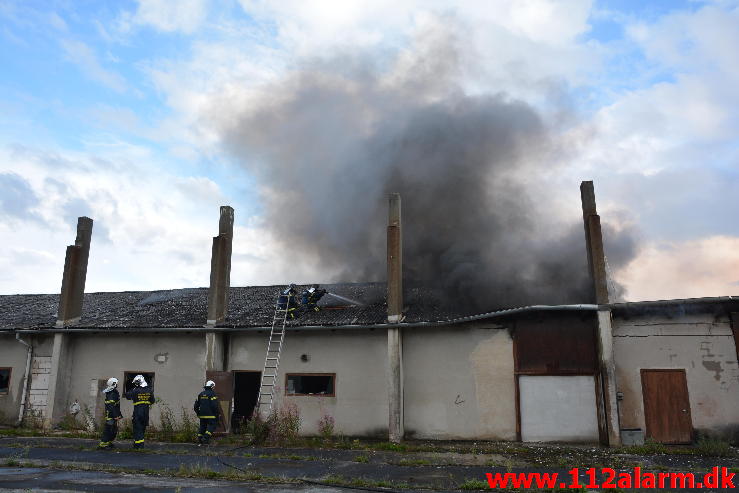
(287, 301)
(207, 409)
(311, 296)
(112, 401)
(143, 397)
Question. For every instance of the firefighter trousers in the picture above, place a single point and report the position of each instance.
(207, 427)
(110, 430)
(139, 429)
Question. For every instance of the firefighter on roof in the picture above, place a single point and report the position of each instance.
(311, 296)
(287, 301)
(143, 397)
(112, 401)
(207, 409)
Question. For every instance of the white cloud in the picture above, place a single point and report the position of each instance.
(690, 116)
(170, 16)
(83, 56)
(691, 269)
(147, 233)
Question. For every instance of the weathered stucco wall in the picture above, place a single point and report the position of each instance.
(702, 345)
(177, 361)
(459, 383)
(359, 359)
(12, 355)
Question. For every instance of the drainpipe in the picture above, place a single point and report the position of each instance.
(22, 410)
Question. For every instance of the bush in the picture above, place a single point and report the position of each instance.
(282, 426)
(125, 429)
(285, 424)
(68, 423)
(90, 423)
(714, 447)
(33, 419)
(258, 428)
(650, 447)
(167, 423)
(173, 430)
(326, 426)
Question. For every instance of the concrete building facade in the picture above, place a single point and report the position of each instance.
(388, 364)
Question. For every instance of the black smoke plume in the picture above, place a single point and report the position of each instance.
(330, 141)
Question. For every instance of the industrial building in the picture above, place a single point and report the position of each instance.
(385, 361)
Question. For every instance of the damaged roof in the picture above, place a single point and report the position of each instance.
(353, 304)
(347, 304)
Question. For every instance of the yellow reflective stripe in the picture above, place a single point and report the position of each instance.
(207, 417)
(104, 443)
(214, 398)
(141, 402)
(208, 433)
(138, 441)
(112, 402)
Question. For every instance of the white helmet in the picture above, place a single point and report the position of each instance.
(112, 383)
(210, 384)
(139, 379)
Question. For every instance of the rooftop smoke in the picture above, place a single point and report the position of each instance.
(332, 139)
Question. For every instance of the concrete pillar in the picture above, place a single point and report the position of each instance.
(220, 283)
(394, 262)
(214, 351)
(599, 280)
(59, 380)
(220, 268)
(75, 274)
(395, 384)
(395, 315)
(608, 377)
(594, 244)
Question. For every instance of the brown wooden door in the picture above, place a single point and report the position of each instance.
(225, 390)
(666, 406)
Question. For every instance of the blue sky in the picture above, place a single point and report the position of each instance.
(116, 109)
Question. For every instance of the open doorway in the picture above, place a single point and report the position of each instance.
(246, 387)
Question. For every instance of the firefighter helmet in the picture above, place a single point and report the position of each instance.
(210, 384)
(111, 384)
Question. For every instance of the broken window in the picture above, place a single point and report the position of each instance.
(4, 380)
(310, 384)
(129, 376)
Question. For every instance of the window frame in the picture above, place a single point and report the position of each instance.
(332, 375)
(150, 382)
(10, 375)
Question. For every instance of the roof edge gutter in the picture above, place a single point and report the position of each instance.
(685, 301)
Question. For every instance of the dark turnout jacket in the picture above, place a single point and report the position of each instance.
(142, 398)
(112, 405)
(206, 405)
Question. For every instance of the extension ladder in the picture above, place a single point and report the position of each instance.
(272, 360)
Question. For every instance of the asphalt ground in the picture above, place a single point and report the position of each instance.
(124, 469)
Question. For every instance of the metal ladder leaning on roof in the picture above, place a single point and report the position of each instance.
(272, 360)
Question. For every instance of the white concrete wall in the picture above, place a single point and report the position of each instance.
(176, 359)
(13, 355)
(699, 344)
(459, 383)
(558, 408)
(358, 358)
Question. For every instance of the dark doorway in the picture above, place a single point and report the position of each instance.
(246, 387)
